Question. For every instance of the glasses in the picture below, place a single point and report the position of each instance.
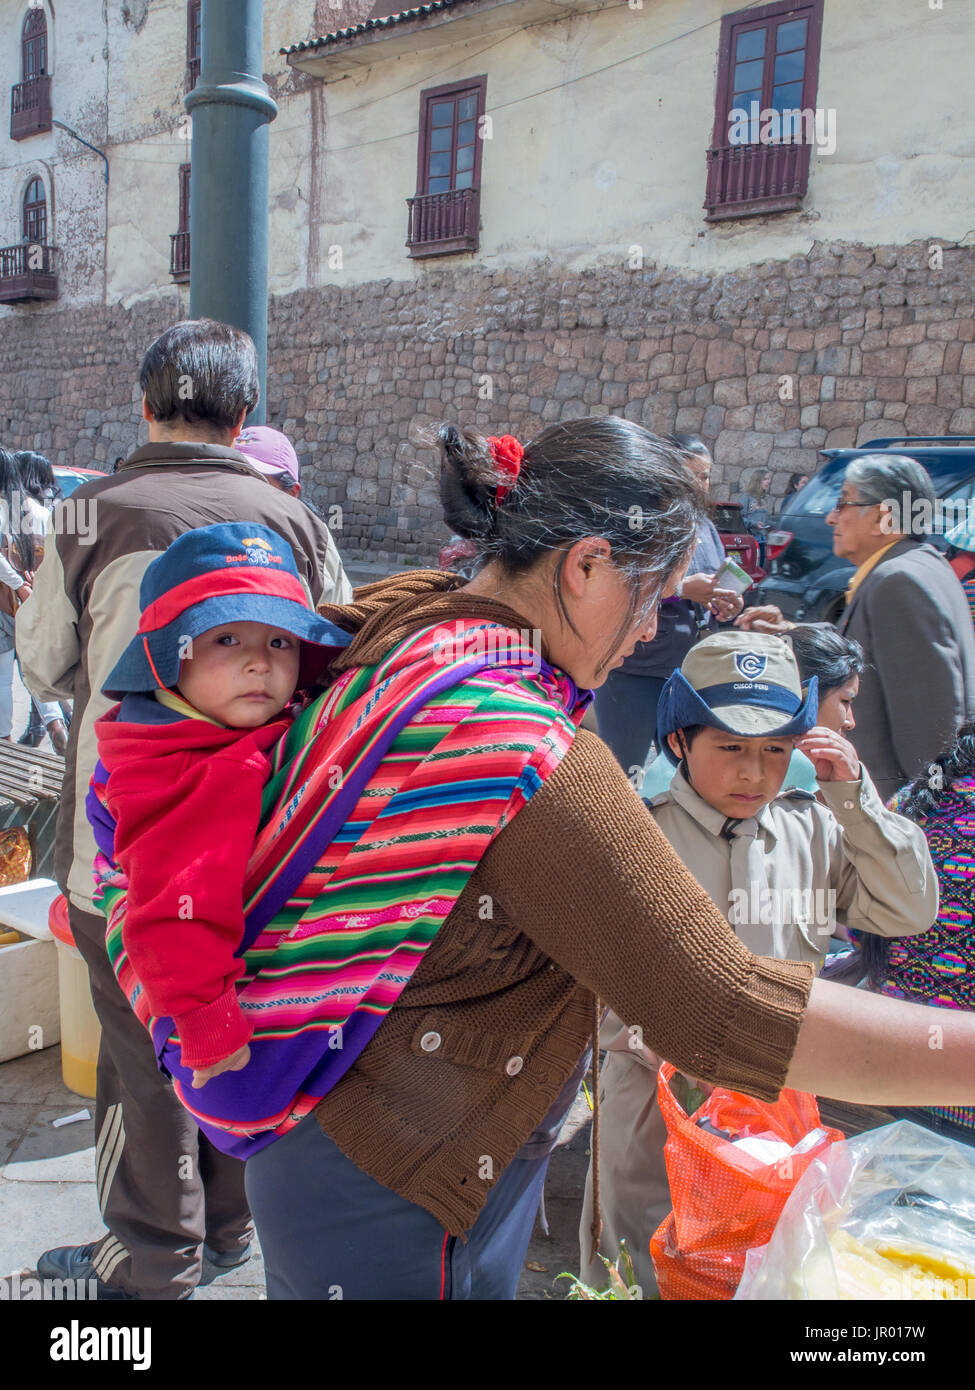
(839, 506)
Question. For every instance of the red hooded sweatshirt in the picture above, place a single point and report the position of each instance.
(186, 796)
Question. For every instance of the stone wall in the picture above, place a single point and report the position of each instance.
(769, 365)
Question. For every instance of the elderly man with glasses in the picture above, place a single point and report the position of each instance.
(907, 609)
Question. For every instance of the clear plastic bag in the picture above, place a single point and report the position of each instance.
(889, 1214)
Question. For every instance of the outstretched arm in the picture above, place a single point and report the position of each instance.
(584, 871)
(862, 1047)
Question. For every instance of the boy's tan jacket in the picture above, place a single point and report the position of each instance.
(84, 608)
(850, 859)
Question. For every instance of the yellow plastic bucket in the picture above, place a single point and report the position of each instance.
(80, 1030)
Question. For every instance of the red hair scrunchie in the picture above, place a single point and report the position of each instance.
(507, 453)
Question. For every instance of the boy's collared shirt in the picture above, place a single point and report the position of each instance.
(783, 877)
(803, 864)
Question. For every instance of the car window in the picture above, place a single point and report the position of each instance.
(956, 505)
(821, 493)
(727, 518)
(67, 482)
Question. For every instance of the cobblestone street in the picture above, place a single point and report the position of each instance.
(47, 1186)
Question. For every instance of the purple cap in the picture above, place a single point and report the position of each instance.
(268, 450)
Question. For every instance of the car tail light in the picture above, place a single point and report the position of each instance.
(775, 543)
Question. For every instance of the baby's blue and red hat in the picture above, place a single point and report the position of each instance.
(232, 572)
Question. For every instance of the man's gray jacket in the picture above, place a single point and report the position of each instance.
(911, 616)
(84, 608)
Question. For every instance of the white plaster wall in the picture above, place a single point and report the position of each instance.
(119, 70)
(150, 138)
(582, 166)
(72, 175)
(600, 126)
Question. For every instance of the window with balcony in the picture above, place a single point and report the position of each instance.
(27, 269)
(35, 212)
(194, 42)
(179, 242)
(768, 73)
(444, 215)
(30, 98)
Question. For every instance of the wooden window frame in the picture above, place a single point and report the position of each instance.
(30, 98)
(26, 40)
(464, 220)
(184, 198)
(795, 155)
(37, 206)
(179, 242)
(193, 59)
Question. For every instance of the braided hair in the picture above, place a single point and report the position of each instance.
(921, 799)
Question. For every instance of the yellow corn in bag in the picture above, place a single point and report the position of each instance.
(888, 1271)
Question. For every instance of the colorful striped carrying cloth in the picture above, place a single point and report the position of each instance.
(384, 795)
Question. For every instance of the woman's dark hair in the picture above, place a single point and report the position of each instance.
(822, 652)
(792, 485)
(927, 794)
(37, 477)
(202, 372)
(12, 509)
(601, 476)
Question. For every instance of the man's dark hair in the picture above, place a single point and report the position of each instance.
(202, 372)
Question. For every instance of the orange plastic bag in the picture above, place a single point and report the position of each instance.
(725, 1200)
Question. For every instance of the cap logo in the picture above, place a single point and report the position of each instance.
(750, 665)
(256, 540)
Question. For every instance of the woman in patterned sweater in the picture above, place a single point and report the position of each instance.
(938, 966)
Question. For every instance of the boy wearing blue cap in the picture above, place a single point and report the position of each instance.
(225, 639)
(781, 866)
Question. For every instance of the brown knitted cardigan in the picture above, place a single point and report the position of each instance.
(579, 895)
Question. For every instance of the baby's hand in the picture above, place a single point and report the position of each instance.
(237, 1061)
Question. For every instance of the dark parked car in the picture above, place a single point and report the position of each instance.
(738, 541)
(805, 578)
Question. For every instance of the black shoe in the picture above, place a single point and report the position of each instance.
(227, 1259)
(32, 737)
(75, 1262)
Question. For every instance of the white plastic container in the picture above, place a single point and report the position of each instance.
(29, 999)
